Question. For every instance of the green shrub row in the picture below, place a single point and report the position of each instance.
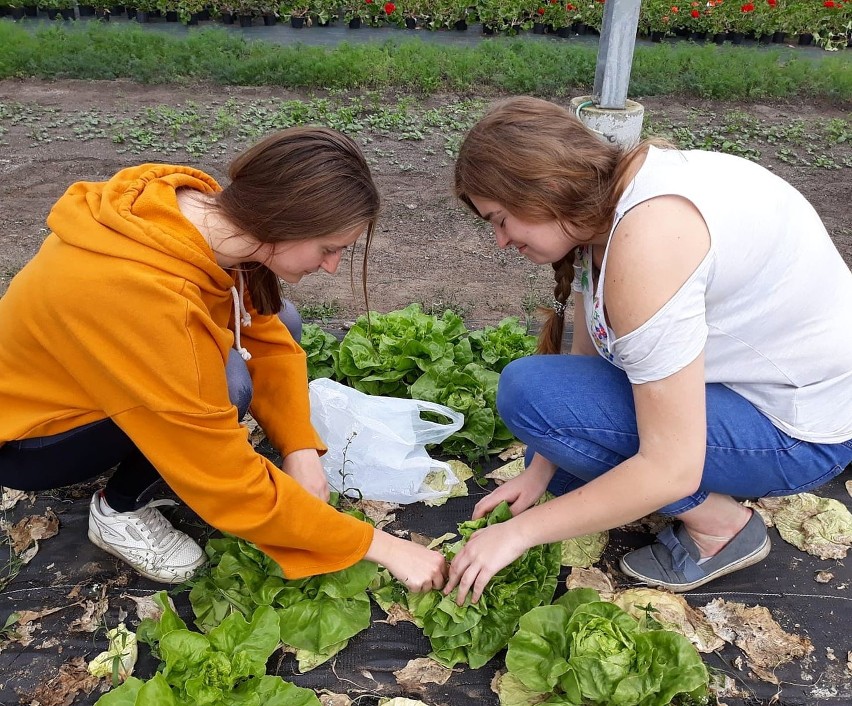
(828, 22)
(102, 51)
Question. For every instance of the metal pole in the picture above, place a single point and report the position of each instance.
(615, 53)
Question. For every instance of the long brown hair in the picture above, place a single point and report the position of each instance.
(540, 162)
(297, 184)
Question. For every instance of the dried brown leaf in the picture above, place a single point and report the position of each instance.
(823, 576)
(62, 689)
(506, 472)
(93, 613)
(753, 629)
(421, 671)
(516, 450)
(819, 526)
(146, 607)
(9, 497)
(329, 698)
(591, 578)
(28, 531)
(379, 511)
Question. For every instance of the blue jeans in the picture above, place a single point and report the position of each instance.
(577, 412)
(87, 451)
(240, 387)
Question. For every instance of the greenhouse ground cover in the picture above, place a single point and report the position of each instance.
(71, 575)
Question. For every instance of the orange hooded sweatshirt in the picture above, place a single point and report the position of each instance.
(124, 313)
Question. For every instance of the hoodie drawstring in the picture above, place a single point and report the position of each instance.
(241, 315)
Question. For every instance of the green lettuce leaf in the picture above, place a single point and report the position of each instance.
(474, 632)
(581, 650)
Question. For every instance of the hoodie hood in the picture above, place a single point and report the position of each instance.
(135, 217)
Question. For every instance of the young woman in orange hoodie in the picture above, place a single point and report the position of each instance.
(147, 324)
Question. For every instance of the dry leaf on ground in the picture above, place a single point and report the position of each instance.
(513, 451)
(673, 613)
(146, 607)
(823, 576)
(329, 698)
(506, 472)
(401, 701)
(9, 497)
(753, 629)
(437, 480)
(93, 613)
(818, 526)
(584, 551)
(398, 614)
(63, 688)
(120, 657)
(653, 524)
(849, 487)
(27, 532)
(591, 578)
(379, 511)
(421, 671)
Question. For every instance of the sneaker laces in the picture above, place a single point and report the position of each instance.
(151, 521)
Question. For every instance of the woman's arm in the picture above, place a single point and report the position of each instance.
(655, 250)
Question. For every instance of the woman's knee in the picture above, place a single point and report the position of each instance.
(290, 317)
(240, 387)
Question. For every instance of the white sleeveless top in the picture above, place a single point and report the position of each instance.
(770, 304)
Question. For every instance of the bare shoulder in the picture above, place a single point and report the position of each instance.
(657, 245)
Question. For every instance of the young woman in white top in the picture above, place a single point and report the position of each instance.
(711, 355)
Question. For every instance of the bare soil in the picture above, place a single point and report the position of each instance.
(427, 249)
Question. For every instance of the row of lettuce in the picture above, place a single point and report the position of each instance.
(828, 21)
(576, 650)
(408, 353)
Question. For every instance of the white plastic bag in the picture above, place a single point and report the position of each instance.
(376, 445)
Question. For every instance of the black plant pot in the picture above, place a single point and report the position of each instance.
(30, 11)
(18, 13)
(67, 13)
(805, 39)
(778, 37)
(87, 11)
(411, 23)
(460, 25)
(102, 16)
(227, 18)
(698, 36)
(355, 23)
(580, 27)
(564, 32)
(204, 15)
(193, 20)
(246, 20)
(657, 37)
(719, 38)
(296, 22)
(538, 28)
(736, 37)
(171, 16)
(487, 29)
(141, 16)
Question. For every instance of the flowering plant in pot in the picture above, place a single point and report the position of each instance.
(831, 23)
(591, 13)
(699, 19)
(657, 18)
(555, 14)
(504, 16)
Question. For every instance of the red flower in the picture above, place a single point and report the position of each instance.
(748, 7)
(389, 8)
(540, 11)
(570, 7)
(829, 3)
(772, 3)
(695, 13)
(675, 9)
(369, 2)
(554, 2)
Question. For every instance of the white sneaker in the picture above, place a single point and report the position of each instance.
(145, 540)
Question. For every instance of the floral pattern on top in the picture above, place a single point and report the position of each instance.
(594, 317)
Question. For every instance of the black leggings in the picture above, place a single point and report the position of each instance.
(76, 456)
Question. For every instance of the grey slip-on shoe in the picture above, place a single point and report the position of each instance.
(672, 561)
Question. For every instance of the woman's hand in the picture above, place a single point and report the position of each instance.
(304, 467)
(486, 552)
(420, 569)
(521, 492)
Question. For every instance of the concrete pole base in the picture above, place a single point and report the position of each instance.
(623, 127)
